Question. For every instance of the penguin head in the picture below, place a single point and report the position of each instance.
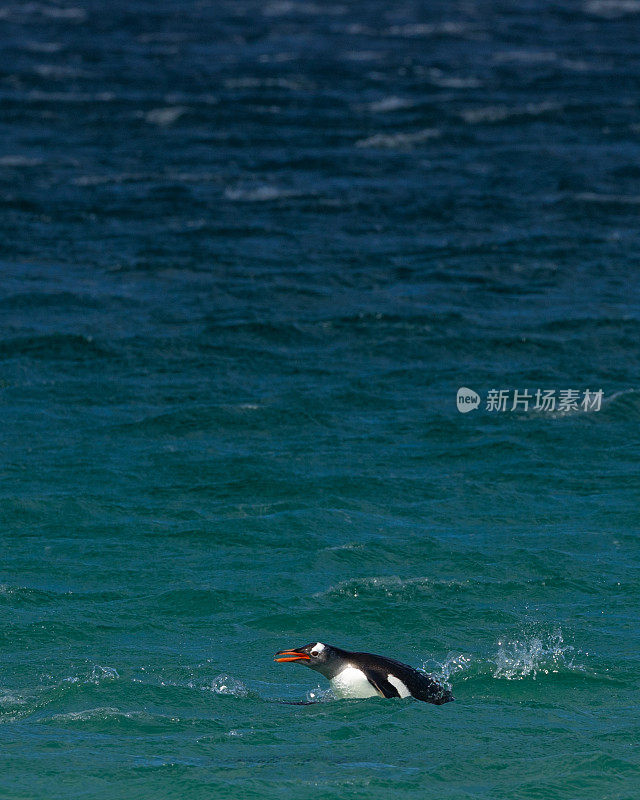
(315, 655)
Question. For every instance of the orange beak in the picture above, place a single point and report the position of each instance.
(291, 655)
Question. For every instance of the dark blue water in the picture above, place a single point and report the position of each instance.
(250, 252)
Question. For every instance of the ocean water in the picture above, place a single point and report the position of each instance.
(250, 252)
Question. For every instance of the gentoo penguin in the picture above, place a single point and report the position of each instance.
(366, 675)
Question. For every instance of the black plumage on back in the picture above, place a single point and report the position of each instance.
(421, 686)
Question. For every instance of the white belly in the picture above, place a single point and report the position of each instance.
(351, 682)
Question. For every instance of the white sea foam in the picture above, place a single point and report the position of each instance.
(163, 117)
(258, 194)
(612, 9)
(17, 12)
(145, 177)
(59, 12)
(388, 586)
(399, 140)
(43, 47)
(392, 103)
(501, 112)
(280, 8)
(58, 72)
(104, 712)
(10, 699)
(38, 96)
(439, 78)
(418, 30)
(19, 161)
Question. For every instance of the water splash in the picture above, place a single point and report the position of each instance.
(544, 654)
(527, 655)
(319, 695)
(99, 673)
(454, 664)
(225, 684)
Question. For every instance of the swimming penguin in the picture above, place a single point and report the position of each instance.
(366, 675)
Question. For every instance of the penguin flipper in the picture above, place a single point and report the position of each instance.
(382, 685)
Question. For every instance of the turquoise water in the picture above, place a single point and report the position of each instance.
(250, 253)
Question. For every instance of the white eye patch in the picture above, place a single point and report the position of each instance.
(317, 648)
